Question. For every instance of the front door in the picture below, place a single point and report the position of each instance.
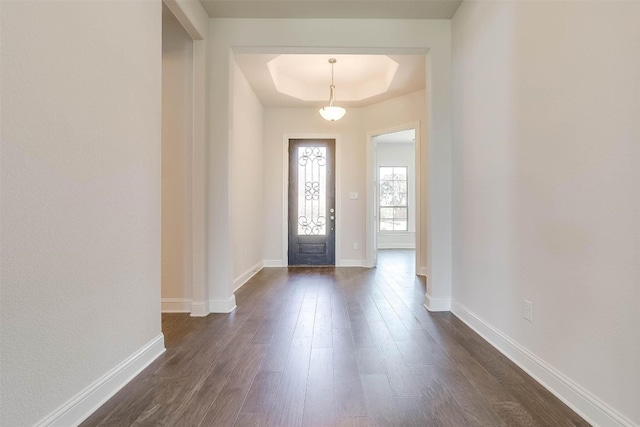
(312, 202)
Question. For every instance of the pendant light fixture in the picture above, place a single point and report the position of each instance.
(330, 112)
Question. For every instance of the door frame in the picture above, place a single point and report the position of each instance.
(195, 23)
(285, 191)
(371, 179)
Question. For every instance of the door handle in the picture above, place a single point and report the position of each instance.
(332, 217)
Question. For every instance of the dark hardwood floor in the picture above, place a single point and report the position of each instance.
(346, 347)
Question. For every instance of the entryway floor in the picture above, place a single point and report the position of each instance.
(331, 347)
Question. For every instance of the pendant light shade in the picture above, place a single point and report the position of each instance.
(330, 112)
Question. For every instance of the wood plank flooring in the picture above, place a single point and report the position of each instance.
(344, 347)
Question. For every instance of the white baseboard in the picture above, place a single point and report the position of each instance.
(589, 407)
(222, 305)
(351, 263)
(422, 271)
(199, 308)
(176, 305)
(274, 263)
(244, 277)
(437, 304)
(80, 407)
(396, 245)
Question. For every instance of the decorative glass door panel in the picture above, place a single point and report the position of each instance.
(312, 191)
(311, 202)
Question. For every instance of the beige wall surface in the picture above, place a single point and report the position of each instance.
(246, 181)
(351, 134)
(177, 138)
(306, 122)
(80, 173)
(409, 110)
(547, 184)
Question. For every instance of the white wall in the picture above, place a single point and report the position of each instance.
(195, 21)
(350, 146)
(351, 134)
(399, 154)
(227, 36)
(246, 180)
(409, 110)
(177, 147)
(546, 190)
(80, 169)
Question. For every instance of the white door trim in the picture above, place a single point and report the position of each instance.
(371, 224)
(194, 20)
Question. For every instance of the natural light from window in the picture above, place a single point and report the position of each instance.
(393, 198)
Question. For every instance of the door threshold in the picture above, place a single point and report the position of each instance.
(310, 265)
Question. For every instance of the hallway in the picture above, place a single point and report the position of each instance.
(331, 347)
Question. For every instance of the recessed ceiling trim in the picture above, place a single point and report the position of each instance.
(281, 50)
(357, 9)
(278, 83)
(359, 77)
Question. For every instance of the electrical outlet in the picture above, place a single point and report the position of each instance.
(355, 246)
(527, 310)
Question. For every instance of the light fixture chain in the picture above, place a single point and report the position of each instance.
(330, 112)
(332, 74)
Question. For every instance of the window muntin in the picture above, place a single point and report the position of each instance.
(393, 186)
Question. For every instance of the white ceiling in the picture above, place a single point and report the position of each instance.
(306, 77)
(401, 137)
(307, 71)
(389, 9)
(303, 80)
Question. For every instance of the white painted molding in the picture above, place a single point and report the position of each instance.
(247, 275)
(199, 308)
(422, 271)
(589, 407)
(372, 231)
(396, 233)
(192, 17)
(222, 305)
(396, 245)
(437, 304)
(176, 305)
(351, 263)
(81, 406)
(274, 263)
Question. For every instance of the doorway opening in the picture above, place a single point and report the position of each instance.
(177, 159)
(393, 194)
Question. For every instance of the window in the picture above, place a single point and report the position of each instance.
(393, 198)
